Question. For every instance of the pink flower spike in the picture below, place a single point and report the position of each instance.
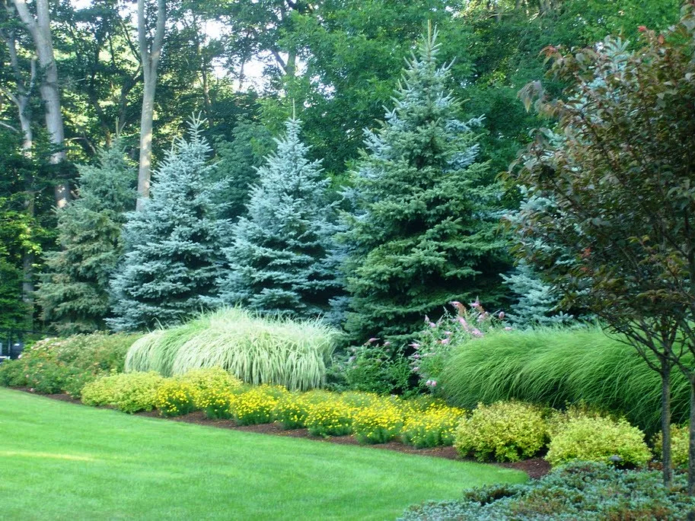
(448, 333)
(428, 382)
(475, 305)
(416, 356)
(476, 332)
(501, 315)
(372, 340)
(416, 369)
(387, 344)
(432, 324)
(415, 345)
(427, 319)
(434, 383)
(444, 341)
(508, 328)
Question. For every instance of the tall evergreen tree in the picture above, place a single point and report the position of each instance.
(282, 259)
(423, 230)
(174, 244)
(73, 294)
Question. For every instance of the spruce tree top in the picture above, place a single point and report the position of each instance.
(281, 259)
(423, 229)
(174, 244)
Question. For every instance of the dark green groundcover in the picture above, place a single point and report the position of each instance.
(579, 491)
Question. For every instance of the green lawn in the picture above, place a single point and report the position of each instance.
(64, 461)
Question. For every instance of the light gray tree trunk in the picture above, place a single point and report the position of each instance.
(150, 53)
(40, 29)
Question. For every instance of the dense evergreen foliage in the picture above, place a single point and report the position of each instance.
(282, 259)
(423, 229)
(174, 245)
(73, 294)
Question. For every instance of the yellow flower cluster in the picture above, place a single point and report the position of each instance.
(257, 404)
(332, 417)
(378, 423)
(434, 427)
(214, 390)
(175, 398)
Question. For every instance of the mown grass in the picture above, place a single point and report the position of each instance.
(255, 349)
(556, 366)
(63, 461)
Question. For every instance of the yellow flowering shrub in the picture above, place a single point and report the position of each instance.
(257, 404)
(434, 427)
(330, 418)
(214, 389)
(378, 423)
(175, 397)
(210, 377)
(598, 439)
(679, 445)
(292, 409)
(503, 431)
(127, 392)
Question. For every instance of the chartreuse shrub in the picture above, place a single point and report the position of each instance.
(679, 445)
(175, 397)
(434, 427)
(503, 431)
(598, 439)
(556, 366)
(581, 491)
(257, 350)
(55, 365)
(127, 392)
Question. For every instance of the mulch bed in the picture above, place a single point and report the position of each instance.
(536, 468)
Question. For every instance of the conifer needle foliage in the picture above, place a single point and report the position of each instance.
(174, 245)
(423, 229)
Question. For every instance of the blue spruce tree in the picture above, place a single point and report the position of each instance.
(174, 245)
(74, 290)
(423, 228)
(282, 258)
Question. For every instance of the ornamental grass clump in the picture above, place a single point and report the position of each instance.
(503, 431)
(435, 427)
(378, 423)
(257, 350)
(601, 440)
(256, 405)
(330, 418)
(127, 392)
(175, 397)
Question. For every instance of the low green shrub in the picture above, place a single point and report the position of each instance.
(127, 392)
(55, 365)
(175, 397)
(580, 491)
(503, 431)
(376, 368)
(555, 366)
(598, 439)
(256, 350)
(680, 437)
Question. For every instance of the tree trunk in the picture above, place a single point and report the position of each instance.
(691, 445)
(149, 55)
(40, 30)
(666, 421)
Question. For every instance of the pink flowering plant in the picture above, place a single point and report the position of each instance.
(436, 342)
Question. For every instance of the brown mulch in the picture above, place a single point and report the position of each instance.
(535, 468)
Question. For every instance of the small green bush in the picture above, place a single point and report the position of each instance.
(503, 431)
(598, 439)
(127, 392)
(580, 491)
(679, 445)
(175, 397)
